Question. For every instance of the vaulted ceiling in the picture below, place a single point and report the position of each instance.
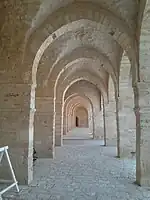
(83, 36)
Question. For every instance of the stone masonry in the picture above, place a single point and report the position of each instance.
(59, 56)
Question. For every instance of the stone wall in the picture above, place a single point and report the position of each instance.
(16, 115)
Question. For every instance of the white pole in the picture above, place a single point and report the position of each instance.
(12, 171)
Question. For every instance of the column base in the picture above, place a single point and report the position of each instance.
(144, 181)
(111, 142)
(127, 153)
(44, 147)
(58, 141)
(44, 152)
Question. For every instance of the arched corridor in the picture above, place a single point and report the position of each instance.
(81, 118)
(75, 69)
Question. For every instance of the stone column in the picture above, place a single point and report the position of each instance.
(16, 130)
(58, 124)
(126, 113)
(142, 112)
(110, 118)
(142, 104)
(117, 125)
(127, 123)
(65, 122)
(43, 134)
(98, 123)
(104, 123)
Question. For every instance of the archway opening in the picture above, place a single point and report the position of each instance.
(81, 117)
(77, 121)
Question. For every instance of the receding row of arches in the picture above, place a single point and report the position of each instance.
(75, 64)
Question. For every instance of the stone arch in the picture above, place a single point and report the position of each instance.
(87, 65)
(73, 107)
(75, 95)
(83, 87)
(56, 56)
(23, 78)
(97, 114)
(81, 114)
(82, 8)
(84, 11)
(110, 17)
(83, 53)
(78, 131)
(83, 76)
(59, 100)
(36, 62)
